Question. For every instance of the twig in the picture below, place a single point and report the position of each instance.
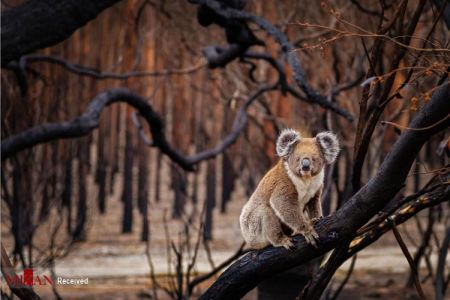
(155, 284)
(443, 251)
(318, 284)
(97, 74)
(196, 250)
(214, 271)
(405, 250)
(416, 129)
(421, 250)
(347, 277)
(169, 254)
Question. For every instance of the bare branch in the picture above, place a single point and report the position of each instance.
(286, 47)
(344, 282)
(97, 74)
(89, 120)
(411, 205)
(196, 281)
(409, 258)
(443, 252)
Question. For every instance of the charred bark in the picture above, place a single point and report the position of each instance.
(79, 232)
(67, 190)
(89, 120)
(100, 174)
(127, 193)
(143, 191)
(179, 187)
(38, 24)
(228, 177)
(210, 199)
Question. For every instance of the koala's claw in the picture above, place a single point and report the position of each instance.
(314, 220)
(310, 235)
(287, 244)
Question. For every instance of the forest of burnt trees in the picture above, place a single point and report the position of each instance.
(181, 102)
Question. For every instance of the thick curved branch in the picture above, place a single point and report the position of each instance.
(37, 24)
(238, 125)
(256, 266)
(288, 88)
(286, 47)
(89, 120)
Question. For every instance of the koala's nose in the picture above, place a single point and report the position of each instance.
(306, 164)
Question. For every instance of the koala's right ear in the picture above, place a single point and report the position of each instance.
(285, 142)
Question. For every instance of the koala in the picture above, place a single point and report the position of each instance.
(287, 199)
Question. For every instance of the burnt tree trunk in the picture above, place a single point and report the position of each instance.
(210, 199)
(143, 192)
(16, 218)
(79, 232)
(100, 174)
(227, 181)
(45, 206)
(127, 194)
(179, 184)
(115, 146)
(158, 176)
(67, 190)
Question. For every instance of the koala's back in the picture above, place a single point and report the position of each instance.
(258, 206)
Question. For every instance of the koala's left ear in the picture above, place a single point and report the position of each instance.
(329, 145)
(285, 142)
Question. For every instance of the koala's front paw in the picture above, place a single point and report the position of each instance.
(310, 235)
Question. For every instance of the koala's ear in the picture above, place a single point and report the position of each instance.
(286, 140)
(329, 145)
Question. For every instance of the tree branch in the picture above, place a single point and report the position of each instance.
(97, 74)
(407, 207)
(89, 120)
(37, 24)
(443, 251)
(201, 278)
(286, 47)
(409, 258)
(256, 266)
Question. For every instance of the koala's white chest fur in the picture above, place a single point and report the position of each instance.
(306, 187)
